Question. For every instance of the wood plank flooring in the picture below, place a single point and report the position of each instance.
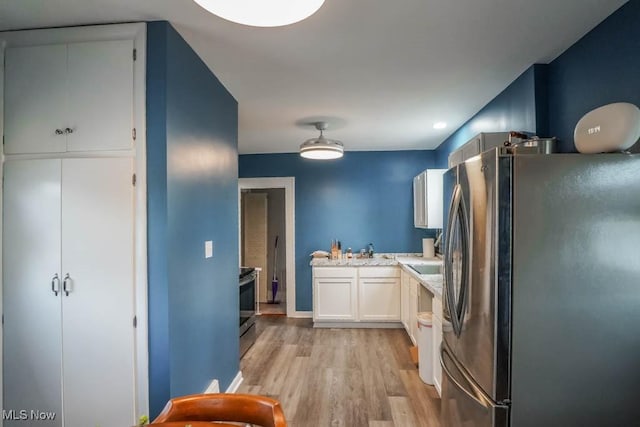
(338, 377)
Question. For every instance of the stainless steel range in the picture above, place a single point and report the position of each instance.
(247, 308)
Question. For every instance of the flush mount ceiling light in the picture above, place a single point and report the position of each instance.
(262, 13)
(321, 148)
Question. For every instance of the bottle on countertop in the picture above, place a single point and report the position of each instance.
(370, 250)
(349, 253)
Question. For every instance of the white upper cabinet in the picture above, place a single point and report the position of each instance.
(427, 199)
(35, 100)
(69, 97)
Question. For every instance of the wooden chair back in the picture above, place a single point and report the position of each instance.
(246, 408)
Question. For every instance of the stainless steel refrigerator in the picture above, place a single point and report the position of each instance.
(542, 291)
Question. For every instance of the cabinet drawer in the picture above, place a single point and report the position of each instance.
(379, 272)
(341, 272)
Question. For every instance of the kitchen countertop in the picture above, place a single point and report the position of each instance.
(431, 282)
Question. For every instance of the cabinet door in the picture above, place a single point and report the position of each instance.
(413, 310)
(35, 99)
(437, 340)
(379, 299)
(97, 254)
(100, 95)
(434, 198)
(334, 298)
(404, 297)
(32, 312)
(419, 194)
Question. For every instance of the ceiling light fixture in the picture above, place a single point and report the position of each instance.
(439, 125)
(321, 148)
(261, 13)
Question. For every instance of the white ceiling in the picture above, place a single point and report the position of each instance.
(381, 72)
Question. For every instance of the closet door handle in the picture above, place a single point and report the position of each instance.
(68, 131)
(55, 284)
(66, 284)
(59, 132)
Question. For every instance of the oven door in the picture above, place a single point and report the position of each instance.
(247, 312)
(247, 301)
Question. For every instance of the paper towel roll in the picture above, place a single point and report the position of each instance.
(428, 251)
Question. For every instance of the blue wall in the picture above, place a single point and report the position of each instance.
(602, 67)
(363, 197)
(515, 108)
(193, 197)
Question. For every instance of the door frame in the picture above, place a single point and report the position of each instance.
(288, 184)
(138, 33)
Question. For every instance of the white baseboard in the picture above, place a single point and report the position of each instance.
(235, 384)
(301, 314)
(354, 325)
(214, 387)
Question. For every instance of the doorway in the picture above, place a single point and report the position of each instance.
(267, 242)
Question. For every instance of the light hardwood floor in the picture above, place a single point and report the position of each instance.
(338, 377)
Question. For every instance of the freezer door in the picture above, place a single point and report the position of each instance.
(477, 272)
(464, 404)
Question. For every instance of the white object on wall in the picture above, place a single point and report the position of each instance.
(610, 128)
(428, 250)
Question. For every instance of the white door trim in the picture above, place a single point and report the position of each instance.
(288, 183)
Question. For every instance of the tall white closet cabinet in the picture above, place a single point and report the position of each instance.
(69, 234)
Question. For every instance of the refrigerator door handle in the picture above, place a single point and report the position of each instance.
(457, 308)
(476, 394)
(448, 273)
(466, 264)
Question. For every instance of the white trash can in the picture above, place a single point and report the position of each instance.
(425, 347)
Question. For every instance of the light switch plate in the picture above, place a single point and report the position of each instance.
(208, 249)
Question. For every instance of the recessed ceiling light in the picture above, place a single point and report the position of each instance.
(439, 125)
(261, 13)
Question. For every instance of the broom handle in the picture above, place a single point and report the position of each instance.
(275, 260)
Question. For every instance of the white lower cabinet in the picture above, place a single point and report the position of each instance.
(410, 303)
(335, 293)
(437, 341)
(378, 294)
(356, 294)
(404, 300)
(412, 310)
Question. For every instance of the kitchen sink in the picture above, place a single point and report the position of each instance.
(426, 268)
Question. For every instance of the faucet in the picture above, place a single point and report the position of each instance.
(438, 241)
